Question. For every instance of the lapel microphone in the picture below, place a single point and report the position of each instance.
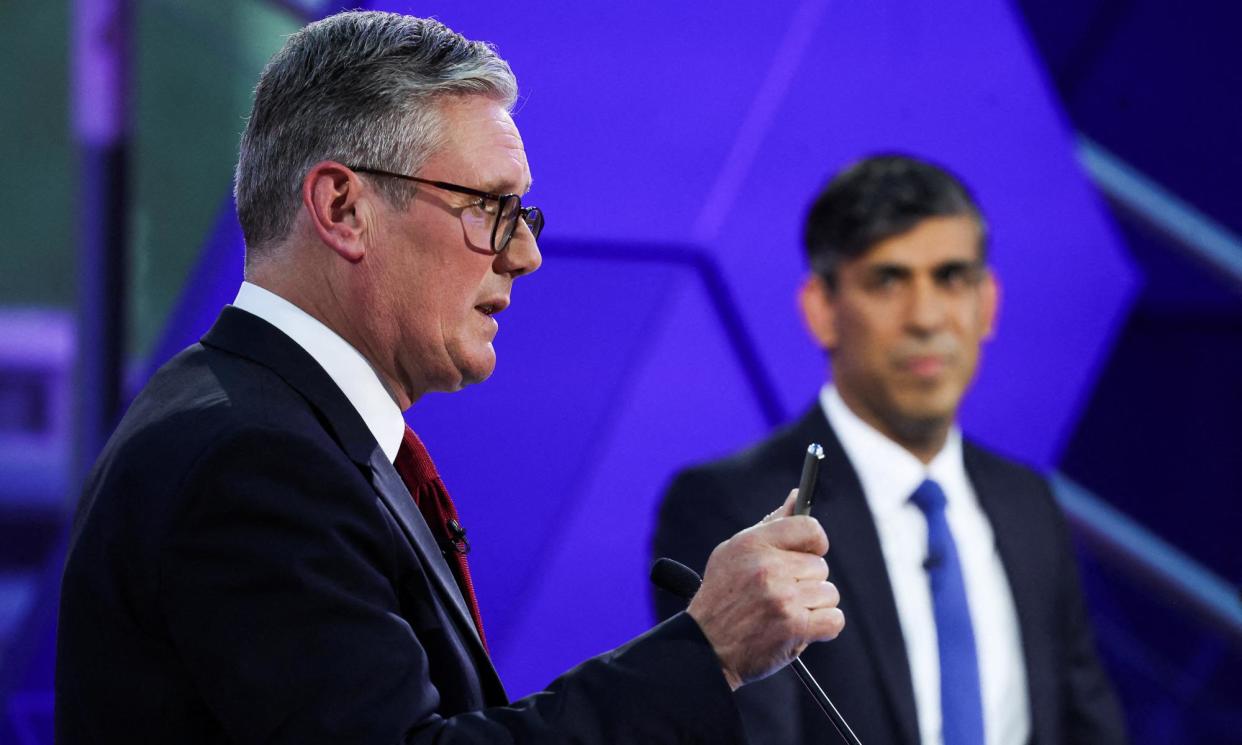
(683, 582)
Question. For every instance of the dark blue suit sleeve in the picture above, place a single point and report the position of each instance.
(277, 587)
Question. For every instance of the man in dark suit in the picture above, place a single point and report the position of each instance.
(966, 617)
(264, 552)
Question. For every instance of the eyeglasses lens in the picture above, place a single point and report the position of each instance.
(506, 221)
(534, 220)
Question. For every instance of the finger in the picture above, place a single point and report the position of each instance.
(818, 595)
(797, 533)
(785, 510)
(806, 567)
(824, 624)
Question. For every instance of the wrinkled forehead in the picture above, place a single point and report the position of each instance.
(482, 141)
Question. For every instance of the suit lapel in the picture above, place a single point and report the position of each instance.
(249, 336)
(395, 494)
(858, 568)
(1017, 539)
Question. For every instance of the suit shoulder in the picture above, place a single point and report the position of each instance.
(203, 394)
(199, 403)
(1016, 477)
(1001, 464)
(747, 472)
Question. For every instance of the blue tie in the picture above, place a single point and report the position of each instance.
(960, 707)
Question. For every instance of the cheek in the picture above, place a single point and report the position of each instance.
(457, 301)
(862, 336)
(972, 329)
(970, 354)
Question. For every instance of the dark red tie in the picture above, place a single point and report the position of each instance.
(419, 474)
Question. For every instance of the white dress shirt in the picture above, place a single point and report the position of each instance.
(345, 365)
(889, 475)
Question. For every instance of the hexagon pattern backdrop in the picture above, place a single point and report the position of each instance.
(675, 147)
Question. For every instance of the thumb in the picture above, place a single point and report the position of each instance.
(785, 510)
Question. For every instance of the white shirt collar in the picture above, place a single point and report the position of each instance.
(888, 472)
(345, 365)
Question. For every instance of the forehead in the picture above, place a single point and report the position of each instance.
(482, 147)
(930, 243)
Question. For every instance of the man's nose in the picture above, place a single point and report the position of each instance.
(522, 256)
(926, 311)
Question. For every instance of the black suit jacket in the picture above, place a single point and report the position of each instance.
(865, 671)
(247, 567)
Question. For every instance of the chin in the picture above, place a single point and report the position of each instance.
(929, 405)
(472, 378)
(478, 369)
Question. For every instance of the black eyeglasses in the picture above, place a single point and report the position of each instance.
(493, 225)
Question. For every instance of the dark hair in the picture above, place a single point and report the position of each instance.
(877, 198)
(359, 87)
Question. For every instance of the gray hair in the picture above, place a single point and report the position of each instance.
(360, 88)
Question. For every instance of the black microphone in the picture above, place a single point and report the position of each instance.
(675, 577)
(683, 582)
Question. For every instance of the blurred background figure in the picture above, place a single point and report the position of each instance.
(954, 563)
(678, 141)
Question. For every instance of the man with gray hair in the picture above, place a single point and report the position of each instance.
(264, 552)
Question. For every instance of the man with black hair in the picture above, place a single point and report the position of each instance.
(967, 623)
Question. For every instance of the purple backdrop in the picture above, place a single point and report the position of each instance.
(709, 126)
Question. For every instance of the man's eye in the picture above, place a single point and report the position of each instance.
(958, 277)
(489, 206)
(884, 281)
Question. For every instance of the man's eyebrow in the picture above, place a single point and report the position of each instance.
(887, 268)
(958, 265)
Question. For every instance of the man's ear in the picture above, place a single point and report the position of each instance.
(989, 303)
(818, 311)
(331, 194)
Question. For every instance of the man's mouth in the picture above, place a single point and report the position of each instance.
(493, 307)
(925, 365)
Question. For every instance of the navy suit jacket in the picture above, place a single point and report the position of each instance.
(247, 567)
(865, 671)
